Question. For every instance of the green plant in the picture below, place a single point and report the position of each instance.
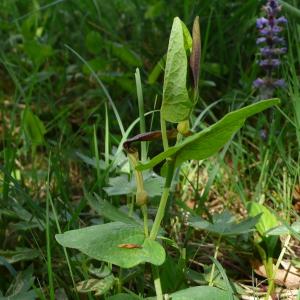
(125, 242)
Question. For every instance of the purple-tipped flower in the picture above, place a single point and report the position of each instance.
(270, 42)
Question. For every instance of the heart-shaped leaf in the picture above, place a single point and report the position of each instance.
(283, 229)
(118, 243)
(124, 296)
(201, 293)
(267, 220)
(224, 224)
(210, 140)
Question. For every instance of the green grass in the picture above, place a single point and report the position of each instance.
(82, 68)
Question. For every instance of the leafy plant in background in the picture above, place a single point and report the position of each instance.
(126, 242)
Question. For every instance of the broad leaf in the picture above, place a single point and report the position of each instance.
(210, 140)
(105, 242)
(124, 296)
(120, 185)
(284, 229)
(176, 105)
(110, 212)
(267, 220)
(201, 293)
(224, 224)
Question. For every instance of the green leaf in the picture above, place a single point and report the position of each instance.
(157, 70)
(224, 224)
(176, 105)
(267, 220)
(91, 161)
(124, 296)
(110, 212)
(284, 229)
(172, 276)
(201, 293)
(33, 127)
(98, 286)
(94, 42)
(210, 140)
(37, 52)
(188, 41)
(97, 64)
(225, 278)
(103, 242)
(19, 289)
(126, 55)
(121, 186)
(20, 254)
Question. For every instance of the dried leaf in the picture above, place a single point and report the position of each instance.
(287, 278)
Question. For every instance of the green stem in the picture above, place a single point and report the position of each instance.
(120, 283)
(216, 257)
(272, 281)
(164, 135)
(157, 283)
(145, 215)
(163, 201)
(141, 112)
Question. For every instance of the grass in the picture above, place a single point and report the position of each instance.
(82, 69)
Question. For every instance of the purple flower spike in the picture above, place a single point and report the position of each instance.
(280, 83)
(269, 63)
(261, 22)
(270, 27)
(258, 82)
(281, 20)
(261, 40)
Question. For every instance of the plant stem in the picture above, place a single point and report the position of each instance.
(163, 201)
(139, 92)
(145, 215)
(157, 283)
(271, 285)
(119, 282)
(216, 257)
(164, 136)
(162, 206)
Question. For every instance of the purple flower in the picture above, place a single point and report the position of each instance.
(281, 20)
(280, 83)
(269, 63)
(270, 41)
(278, 40)
(269, 30)
(258, 82)
(260, 22)
(267, 51)
(261, 40)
